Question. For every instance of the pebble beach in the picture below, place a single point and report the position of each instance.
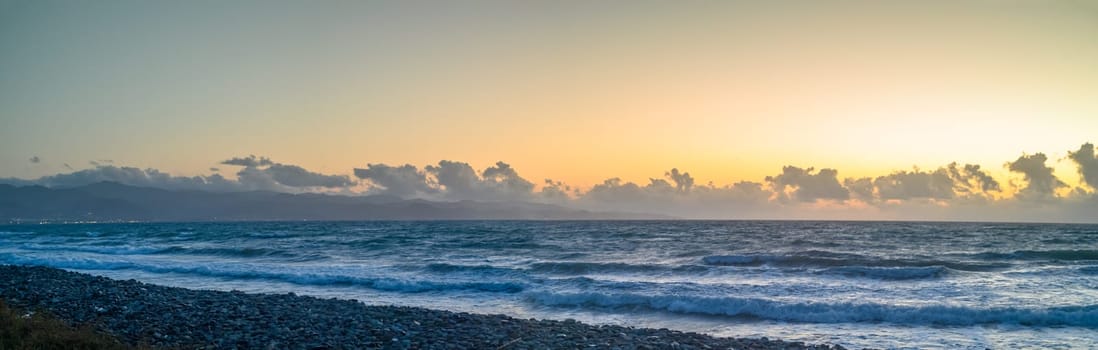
(159, 316)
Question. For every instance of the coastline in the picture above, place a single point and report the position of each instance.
(161, 316)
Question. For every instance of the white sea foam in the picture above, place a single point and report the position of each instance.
(110, 250)
(303, 276)
(825, 312)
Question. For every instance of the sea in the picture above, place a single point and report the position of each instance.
(893, 285)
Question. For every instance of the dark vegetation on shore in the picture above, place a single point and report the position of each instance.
(171, 317)
(22, 329)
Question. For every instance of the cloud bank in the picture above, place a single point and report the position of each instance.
(1085, 158)
(262, 174)
(953, 191)
(258, 174)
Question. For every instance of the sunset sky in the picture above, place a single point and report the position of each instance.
(576, 91)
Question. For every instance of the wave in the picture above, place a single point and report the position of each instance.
(106, 250)
(823, 312)
(251, 272)
(889, 273)
(576, 268)
(177, 250)
(480, 270)
(1067, 255)
(244, 253)
(1062, 255)
(567, 268)
(828, 259)
(583, 268)
(1089, 270)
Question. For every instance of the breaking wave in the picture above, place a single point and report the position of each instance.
(828, 312)
(300, 277)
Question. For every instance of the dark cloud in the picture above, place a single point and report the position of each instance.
(953, 181)
(904, 185)
(806, 186)
(503, 181)
(451, 180)
(135, 177)
(403, 181)
(861, 188)
(295, 176)
(683, 181)
(615, 190)
(261, 173)
(970, 179)
(458, 180)
(1040, 182)
(555, 191)
(66, 165)
(738, 197)
(35, 160)
(1087, 162)
(249, 161)
(252, 178)
(214, 169)
(682, 199)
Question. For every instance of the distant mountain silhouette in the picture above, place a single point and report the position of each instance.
(110, 201)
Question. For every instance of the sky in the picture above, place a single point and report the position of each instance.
(574, 91)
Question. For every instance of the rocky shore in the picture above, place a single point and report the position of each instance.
(182, 318)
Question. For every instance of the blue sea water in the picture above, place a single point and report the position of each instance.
(858, 284)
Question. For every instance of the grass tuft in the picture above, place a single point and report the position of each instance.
(21, 329)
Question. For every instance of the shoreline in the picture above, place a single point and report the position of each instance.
(161, 316)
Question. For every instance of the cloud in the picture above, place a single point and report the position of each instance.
(35, 160)
(295, 176)
(952, 192)
(805, 186)
(1040, 182)
(555, 191)
(683, 181)
(135, 177)
(453, 180)
(682, 199)
(1087, 162)
(262, 174)
(249, 161)
(458, 180)
(951, 182)
(404, 181)
(906, 185)
(861, 188)
(614, 190)
(504, 182)
(972, 183)
(252, 178)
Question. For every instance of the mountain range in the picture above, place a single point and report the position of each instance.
(111, 201)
